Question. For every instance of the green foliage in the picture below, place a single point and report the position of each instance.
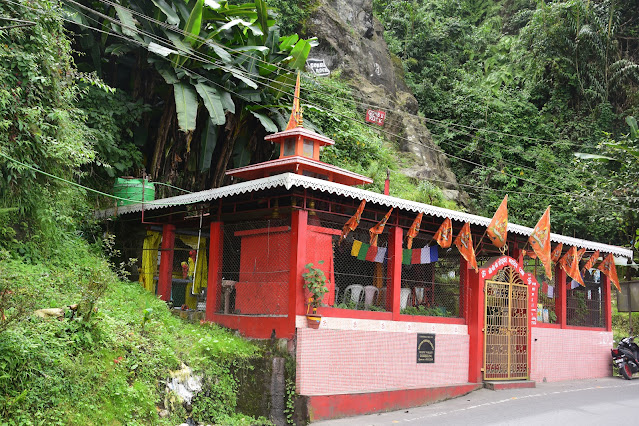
(315, 282)
(40, 125)
(112, 118)
(435, 311)
(546, 72)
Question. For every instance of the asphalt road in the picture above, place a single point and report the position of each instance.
(608, 401)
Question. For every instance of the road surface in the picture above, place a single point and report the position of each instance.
(607, 401)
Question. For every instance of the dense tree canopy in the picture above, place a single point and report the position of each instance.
(513, 89)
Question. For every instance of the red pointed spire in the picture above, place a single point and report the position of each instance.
(296, 113)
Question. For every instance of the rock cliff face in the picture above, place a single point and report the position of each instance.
(351, 40)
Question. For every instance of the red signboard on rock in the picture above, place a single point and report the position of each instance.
(377, 117)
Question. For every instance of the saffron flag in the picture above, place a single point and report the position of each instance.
(376, 230)
(556, 253)
(444, 235)
(540, 241)
(570, 264)
(413, 230)
(498, 228)
(352, 223)
(608, 268)
(580, 254)
(296, 112)
(591, 261)
(464, 243)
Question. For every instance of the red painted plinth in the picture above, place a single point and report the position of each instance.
(515, 384)
(322, 407)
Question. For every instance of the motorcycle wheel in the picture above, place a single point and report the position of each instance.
(625, 371)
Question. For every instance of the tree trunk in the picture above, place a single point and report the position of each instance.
(226, 150)
(166, 122)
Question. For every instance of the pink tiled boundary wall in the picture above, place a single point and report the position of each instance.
(568, 354)
(331, 361)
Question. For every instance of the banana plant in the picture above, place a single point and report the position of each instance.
(226, 66)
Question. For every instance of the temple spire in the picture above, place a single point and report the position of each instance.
(296, 113)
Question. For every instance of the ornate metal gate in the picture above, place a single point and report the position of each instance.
(506, 327)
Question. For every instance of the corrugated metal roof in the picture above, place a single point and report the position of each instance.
(289, 180)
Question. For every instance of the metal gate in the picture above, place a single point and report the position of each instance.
(506, 327)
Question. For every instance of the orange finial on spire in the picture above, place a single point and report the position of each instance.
(296, 113)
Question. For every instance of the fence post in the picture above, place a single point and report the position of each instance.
(561, 306)
(605, 285)
(165, 274)
(394, 272)
(299, 221)
(213, 284)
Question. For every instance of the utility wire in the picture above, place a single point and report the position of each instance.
(362, 102)
(318, 106)
(352, 119)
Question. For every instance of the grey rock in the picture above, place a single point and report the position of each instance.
(351, 40)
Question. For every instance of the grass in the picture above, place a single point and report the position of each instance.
(110, 369)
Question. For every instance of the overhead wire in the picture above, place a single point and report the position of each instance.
(200, 55)
(362, 102)
(560, 192)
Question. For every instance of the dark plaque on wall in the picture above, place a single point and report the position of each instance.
(425, 348)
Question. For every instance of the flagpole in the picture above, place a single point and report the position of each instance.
(481, 239)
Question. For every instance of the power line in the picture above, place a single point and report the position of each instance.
(241, 53)
(334, 112)
(361, 122)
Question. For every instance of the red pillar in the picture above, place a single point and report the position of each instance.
(296, 302)
(607, 290)
(166, 262)
(475, 321)
(214, 282)
(394, 272)
(560, 289)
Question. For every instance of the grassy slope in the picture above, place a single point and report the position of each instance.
(108, 370)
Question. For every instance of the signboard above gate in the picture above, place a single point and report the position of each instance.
(500, 263)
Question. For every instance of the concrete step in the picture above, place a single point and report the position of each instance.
(509, 384)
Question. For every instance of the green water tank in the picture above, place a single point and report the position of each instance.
(133, 189)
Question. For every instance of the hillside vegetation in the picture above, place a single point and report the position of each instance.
(90, 90)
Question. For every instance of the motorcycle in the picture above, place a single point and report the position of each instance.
(626, 357)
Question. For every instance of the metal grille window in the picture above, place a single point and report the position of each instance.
(432, 289)
(360, 278)
(255, 268)
(546, 293)
(585, 306)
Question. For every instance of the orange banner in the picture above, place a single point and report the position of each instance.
(556, 253)
(464, 243)
(444, 235)
(413, 230)
(608, 268)
(540, 241)
(498, 228)
(376, 230)
(296, 112)
(580, 254)
(570, 264)
(352, 223)
(589, 264)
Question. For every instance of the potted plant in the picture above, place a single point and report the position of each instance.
(315, 282)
